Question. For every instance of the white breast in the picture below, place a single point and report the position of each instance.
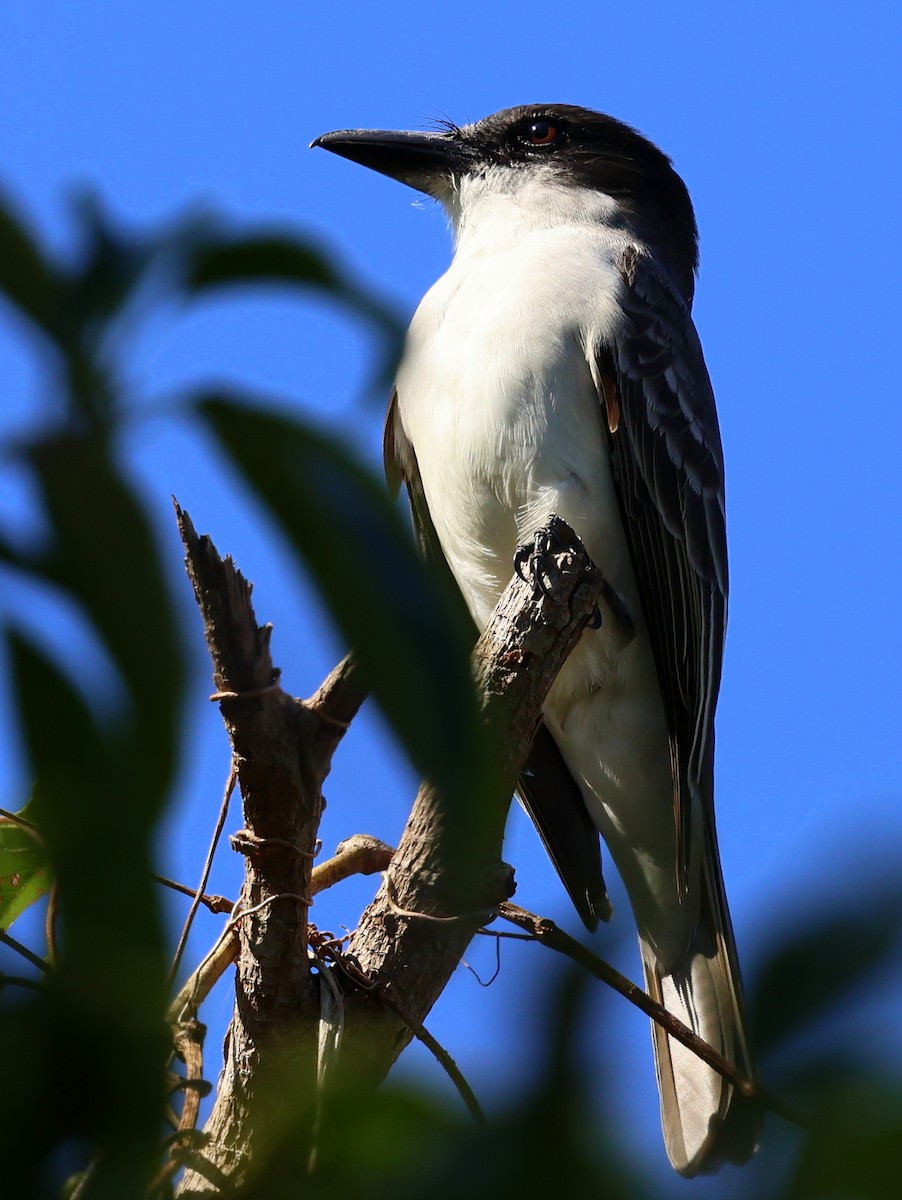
(496, 395)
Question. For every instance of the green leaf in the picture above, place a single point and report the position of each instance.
(25, 276)
(25, 873)
(267, 258)
(111, 265)
(816, 969)
(276, 258)
(106, 558)
(105, 999)
(401, 624)
(854, 1150)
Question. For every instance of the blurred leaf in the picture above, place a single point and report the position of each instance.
(556, 1139)
(383, 597)
(553, 1140)
(397, 1145)
(277, 258)
(272, 258)
(112, 263)
(368, 1145)
(855, 1152)
(24, 868)
(813, 971)
(102, 1014)
(106, 557)
(25, 276)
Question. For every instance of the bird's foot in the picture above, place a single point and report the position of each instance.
(534, 561)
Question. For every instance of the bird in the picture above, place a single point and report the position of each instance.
(554, 369)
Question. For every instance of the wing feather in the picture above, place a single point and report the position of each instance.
(667, 463)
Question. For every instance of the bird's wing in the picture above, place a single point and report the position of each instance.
(554, 803)
(667, 464)
(401, 467)
(546, 789)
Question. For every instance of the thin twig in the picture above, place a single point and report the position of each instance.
(350, 969)
(33, 985)
(23, 821)
(204, 977)
(50, 926)
(13, 944)
(359, 854)
(512, 937)
(548, 934)
(208, 866)
(453, 1071)
(216, 904)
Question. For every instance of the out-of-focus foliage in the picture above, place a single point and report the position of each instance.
(83, 1052)
(87, 1050)
(24, 869)
(341, 523)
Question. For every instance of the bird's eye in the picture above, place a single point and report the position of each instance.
(542, 133)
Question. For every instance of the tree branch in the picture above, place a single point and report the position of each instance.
(283, 748)
(359, 854)
(429, 907)
(432, 900)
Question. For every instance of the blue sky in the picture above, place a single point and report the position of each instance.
(784, 121)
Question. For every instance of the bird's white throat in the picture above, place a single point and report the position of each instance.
(504, 204)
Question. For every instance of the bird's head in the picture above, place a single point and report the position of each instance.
(546, 148)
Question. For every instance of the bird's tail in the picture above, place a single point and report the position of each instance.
(706, 1121)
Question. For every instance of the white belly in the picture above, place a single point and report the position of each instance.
(505, 421)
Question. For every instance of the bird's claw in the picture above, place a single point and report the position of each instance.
(534, 562)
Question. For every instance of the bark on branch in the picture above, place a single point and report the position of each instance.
(429, 906)
(516, 660)
(284, 749)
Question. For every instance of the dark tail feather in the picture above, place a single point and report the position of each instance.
(556, 807)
